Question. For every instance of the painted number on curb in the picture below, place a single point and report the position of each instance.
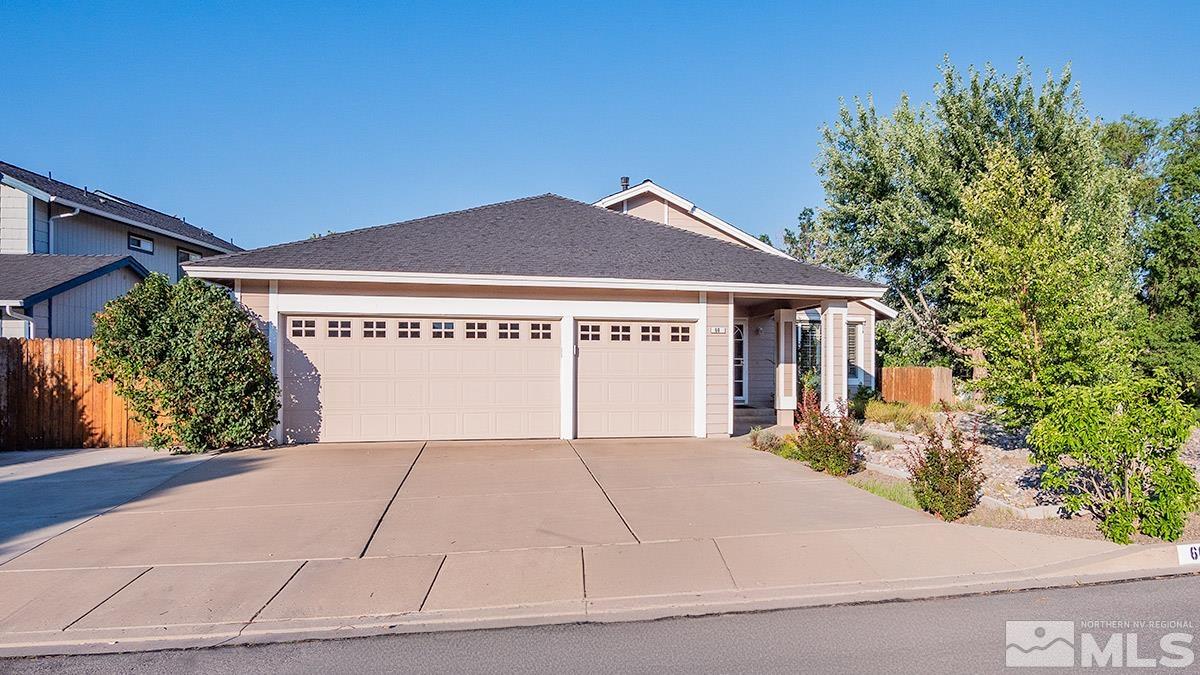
(1189, 554)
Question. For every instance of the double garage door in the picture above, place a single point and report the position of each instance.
(415, 378)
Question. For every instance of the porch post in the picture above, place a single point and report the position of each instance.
(785, 366)
(833, 355)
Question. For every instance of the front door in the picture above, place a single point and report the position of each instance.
(739, 363)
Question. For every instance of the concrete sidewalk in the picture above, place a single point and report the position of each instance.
(134, 608)
(355, 539)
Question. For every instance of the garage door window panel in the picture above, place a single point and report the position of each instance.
(374, 329)
(620, 333)
(476, 330)
(407, 330)
(338, 329)
(443, 330)
(509, 331)
(304, 327)
(540, 331)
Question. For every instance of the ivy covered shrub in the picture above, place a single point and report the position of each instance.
(190, 362)
(1112, 450)
(945, 470)
(827, 442)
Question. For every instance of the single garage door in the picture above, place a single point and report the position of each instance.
(416, 378)
(635, 379)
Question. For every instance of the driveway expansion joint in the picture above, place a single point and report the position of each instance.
(392, 500)
(604, 492)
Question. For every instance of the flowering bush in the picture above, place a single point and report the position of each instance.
(827, 442)
(945, 470)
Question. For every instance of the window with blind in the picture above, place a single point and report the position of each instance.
(854, 353)
(808, 347)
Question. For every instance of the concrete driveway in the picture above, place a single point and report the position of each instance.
(303, 536)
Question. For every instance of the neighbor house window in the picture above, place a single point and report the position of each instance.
(443, 329)
(140, 244)
(183, 255)
(304, 327)
(619, 334)
(589, 332)
(539, 331)
(374, 329)
(409, 329)
(651, 333)
(339, 329)
(681, 333)
(476, 330)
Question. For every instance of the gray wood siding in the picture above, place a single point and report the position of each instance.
(71, 312)
(89, 234)
(14, 220)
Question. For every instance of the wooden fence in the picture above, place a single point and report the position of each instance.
(922, 386)
(49, 398)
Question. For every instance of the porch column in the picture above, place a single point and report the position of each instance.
(785, 366)
(833, 355)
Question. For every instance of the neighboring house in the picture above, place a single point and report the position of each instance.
(40, 215)
(547, 317)
(57, 294)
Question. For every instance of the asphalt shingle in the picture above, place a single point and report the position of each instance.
(25, 275)
(117, 206)
(547, 235)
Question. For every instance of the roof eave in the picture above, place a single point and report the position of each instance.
(74, 282)
(788, 290)
(139, 224)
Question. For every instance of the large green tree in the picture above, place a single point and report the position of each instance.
(895, 184)
(1045, 293)
(1172, 258)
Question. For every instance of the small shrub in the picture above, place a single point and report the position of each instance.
(879, 442)
(1112, 450)
(826, 442)
(946, 473)
(764, 441)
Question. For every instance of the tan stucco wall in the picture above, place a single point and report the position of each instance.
(717, 357)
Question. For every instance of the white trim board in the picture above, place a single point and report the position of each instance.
(780, 290)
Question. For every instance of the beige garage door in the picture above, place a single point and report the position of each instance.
(635, 379)
(417, 378)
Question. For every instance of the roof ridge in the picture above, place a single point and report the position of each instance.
(370, 228)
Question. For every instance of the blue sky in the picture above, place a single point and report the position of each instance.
(265, 122)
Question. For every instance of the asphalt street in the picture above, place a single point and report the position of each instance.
(951, 635)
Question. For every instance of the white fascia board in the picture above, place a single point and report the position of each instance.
(672, 198)
(214, 272)
(140, 225)
(881, 309)
(24, 187)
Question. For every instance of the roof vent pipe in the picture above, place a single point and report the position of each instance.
(624, 183)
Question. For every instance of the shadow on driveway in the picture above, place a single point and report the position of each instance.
(44, 493)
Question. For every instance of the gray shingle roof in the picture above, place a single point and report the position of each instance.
(27, 278)
(546, 235)
(117, 206)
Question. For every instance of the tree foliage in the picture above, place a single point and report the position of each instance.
(895, 185)
(1172, 258)
(1045, 291)
(190, 362)
(1113, 450)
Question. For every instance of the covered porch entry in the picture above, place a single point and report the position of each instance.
(779, 346)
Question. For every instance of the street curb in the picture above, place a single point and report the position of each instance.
(609, 610)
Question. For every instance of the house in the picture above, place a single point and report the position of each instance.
(80, 249)
(545, 317)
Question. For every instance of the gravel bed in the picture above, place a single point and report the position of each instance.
(1011, 477)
